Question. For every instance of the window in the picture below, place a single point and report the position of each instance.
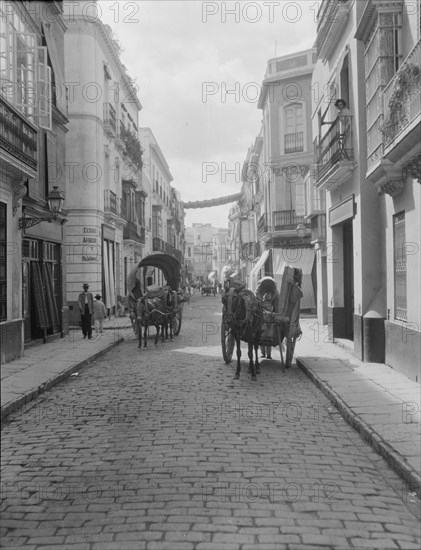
(399, 253)
(382, 57)
(156, 222)
(3, 263)
(293, 128)
(24, 71)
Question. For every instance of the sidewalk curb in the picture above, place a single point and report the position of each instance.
(33, 394)
(395, 460)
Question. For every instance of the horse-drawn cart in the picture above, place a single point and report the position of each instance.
(267, 319)
(137, 284)
(209, 289)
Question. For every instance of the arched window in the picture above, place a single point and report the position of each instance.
(293, 128)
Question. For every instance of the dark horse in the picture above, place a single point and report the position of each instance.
(244, 316)
(157, 312)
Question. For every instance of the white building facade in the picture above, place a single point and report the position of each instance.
(106, 228)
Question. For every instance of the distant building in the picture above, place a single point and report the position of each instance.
(105, 195)
(166, 213)
(206, 252)
(268, 227)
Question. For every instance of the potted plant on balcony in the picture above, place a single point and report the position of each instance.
(133, 147)
(406, 81)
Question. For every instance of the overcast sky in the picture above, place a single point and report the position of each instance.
(183, 55)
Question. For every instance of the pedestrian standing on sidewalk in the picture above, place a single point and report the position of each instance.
(99, 314)
(266, 351)
(86, 308)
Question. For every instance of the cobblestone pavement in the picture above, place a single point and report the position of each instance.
(162, 449)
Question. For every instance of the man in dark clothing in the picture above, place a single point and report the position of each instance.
(86, 307)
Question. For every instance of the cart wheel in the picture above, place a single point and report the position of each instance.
(227, 341)
(290, 352)
(176, 322)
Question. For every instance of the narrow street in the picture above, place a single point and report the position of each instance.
(162, 449)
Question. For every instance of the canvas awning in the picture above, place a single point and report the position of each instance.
(302, 258)
(255, 272)
(212, 276)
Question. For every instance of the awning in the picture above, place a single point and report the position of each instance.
(212, 276)
(255, 272)
(302, 258)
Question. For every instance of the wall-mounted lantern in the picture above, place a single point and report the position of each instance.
(55, 202)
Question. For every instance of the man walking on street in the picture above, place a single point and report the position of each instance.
(86, 307)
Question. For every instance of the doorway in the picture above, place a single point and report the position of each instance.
(348, 265)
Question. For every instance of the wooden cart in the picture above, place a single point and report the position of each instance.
(280, 325)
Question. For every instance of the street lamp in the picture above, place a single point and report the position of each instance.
(55, 201)
(301, 230)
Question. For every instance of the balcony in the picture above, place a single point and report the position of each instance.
(332, 19)
(318, 228)
(111, 202)
(335, 155)
(158, 245)
(110, 119)
(132, 233)
(284, 220)
(402, 108)
(18, 143)
(294, 143)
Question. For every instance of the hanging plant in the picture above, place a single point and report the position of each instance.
(133, 148)
(397, 118)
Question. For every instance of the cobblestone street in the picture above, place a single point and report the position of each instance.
(162, 449)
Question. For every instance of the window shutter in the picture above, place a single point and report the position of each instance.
(300, 198)
(54, 171)
(44, 90)
(24, 63)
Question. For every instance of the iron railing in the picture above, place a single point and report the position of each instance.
(335, 145)
(286, 219)
(294, 143)
(17, 137)
(111, 202)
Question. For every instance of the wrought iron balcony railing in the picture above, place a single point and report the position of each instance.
(402, 97)
(286, 219)
(335, 145)
(17, 136)
(133, 233)
(294, 143)
(111, 202)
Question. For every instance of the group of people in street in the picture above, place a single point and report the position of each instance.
(91, 309)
